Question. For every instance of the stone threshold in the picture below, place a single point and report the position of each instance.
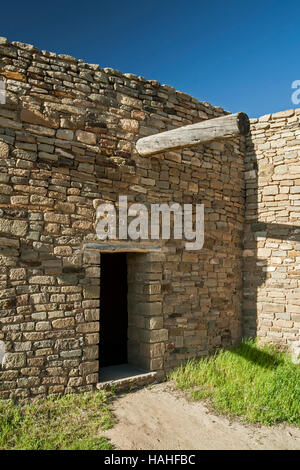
(134, 378)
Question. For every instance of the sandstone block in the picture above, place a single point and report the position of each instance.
(65, 134)
(13, 227)
(88, 368)
(63, 323)
(86, 137)
(20, 77)
(15, 360)
(33, 116)
(4, 150)
(63, 250)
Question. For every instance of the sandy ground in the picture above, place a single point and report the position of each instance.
(159, 417)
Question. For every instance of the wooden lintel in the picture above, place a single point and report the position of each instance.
(223, 127)
(122, 248)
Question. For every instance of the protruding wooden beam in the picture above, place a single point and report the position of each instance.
(223, 127)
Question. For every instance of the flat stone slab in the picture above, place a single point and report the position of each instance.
(124, 376)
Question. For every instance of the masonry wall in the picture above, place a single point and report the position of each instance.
(272, 230)
(67, 143)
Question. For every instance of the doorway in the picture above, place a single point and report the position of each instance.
(113, 310)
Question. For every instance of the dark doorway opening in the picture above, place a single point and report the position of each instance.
(113, 310)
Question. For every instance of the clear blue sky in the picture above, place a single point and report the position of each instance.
(241, 55)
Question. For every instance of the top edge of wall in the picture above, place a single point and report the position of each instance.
(287, 113)
(29, 48)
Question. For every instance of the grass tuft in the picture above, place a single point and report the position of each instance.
(255, 383)
(69, 422)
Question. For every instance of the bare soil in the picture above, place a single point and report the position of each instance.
(161, 418)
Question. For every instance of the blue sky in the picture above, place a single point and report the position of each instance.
(240, 55)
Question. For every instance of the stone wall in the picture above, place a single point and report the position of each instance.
(67, 143)
(272, 230)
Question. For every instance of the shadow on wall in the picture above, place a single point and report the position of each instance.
(260, 240)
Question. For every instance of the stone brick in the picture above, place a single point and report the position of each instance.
(56, 218)
(88, 368)
(86, 137)
(38, 118)
(17, 274)
(91, 292)
(63, 250)
(65, 134)
(270, 190)
(13, 227)
(4, 150)
(88, 327)
(63, 323)
(130, 125)
(43, 280)
(90, 352)
(20, 77)
(15, 360)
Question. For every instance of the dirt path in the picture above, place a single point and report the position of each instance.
(161, 418)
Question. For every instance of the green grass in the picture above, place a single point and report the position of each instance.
(259, 385)
(69, 422)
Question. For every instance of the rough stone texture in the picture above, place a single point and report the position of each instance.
(67, 144)
(272, 231)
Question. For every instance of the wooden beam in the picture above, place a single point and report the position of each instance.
(223, 127)
(122, 247)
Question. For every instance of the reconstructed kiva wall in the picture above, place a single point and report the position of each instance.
(67, 143)
(272, 230)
